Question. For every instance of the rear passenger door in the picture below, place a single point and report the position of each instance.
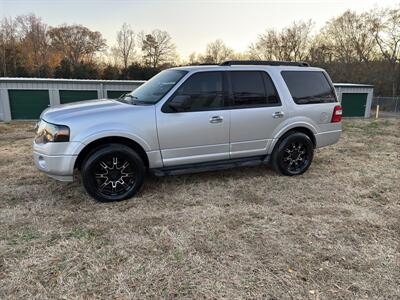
(256, 110)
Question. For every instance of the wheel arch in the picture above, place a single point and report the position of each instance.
(303, 129)
(107, 140)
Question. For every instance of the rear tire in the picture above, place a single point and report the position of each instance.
(293, 155)
(112, 172)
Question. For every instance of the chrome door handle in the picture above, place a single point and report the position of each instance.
(278, 114)
(216, 119)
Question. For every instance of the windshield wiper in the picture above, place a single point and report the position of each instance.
(127, 98)
(130, 96)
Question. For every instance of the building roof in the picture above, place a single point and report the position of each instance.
(188, 68)
(28, 79)
(353, 85)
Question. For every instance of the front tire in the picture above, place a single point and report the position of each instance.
(113, 172)
(293, 155)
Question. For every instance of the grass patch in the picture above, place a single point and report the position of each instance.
(178, 255)
(331, 233)
(22, 236)
(84, 233)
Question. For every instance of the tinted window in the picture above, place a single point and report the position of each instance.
(248, 88)
(154, 89)
(309, 87)
(202, 91)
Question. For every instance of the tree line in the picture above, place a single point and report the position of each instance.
(352, 47)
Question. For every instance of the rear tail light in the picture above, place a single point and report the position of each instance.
(337, 114)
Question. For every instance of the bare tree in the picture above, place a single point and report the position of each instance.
(193, 58)
(8, 43)
(266, 47)
(321, 50)
(157, 48)
(349, 38)
(385, 28)
(113, 56)
(34, 41)
(291, 43)
(125, 44)
(295, 40)
(76, 42)
(217, 52)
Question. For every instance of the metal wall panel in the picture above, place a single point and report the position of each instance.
(68, 96)
(354, 104)
(28, 104)
(115, 94)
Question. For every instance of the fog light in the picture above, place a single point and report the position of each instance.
(42, 162)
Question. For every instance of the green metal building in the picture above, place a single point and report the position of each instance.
(356, 99)
(26, 98)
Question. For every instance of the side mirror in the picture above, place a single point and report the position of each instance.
(179, 103)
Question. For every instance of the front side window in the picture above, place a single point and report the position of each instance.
(201, 91)
(248, 88)
(309, 87)
(153, 90)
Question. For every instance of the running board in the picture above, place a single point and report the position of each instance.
(211, 166)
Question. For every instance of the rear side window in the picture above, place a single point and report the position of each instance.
(309, 87)
(251, 88)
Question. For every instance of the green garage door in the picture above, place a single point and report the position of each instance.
(28, 104)
(116, 94)
(68, 96)
(354, 104)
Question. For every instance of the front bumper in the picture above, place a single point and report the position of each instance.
(60, 167)
(57, 160)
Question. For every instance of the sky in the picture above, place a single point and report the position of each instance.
(191, 23)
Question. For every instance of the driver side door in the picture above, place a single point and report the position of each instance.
(193, 125)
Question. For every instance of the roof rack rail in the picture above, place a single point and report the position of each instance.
(264, 63)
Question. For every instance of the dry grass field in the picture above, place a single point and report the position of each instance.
(333, 232)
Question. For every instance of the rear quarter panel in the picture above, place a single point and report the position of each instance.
(315, 117)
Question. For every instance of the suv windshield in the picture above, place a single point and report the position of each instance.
(154, 89)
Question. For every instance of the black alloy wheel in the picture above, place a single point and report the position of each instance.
(113, 172)
(293, 155)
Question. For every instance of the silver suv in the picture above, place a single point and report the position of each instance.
(192, 119)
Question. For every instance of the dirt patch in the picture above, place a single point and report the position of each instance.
(332, 233)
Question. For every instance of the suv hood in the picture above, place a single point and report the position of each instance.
(61, 113)
(94, 119)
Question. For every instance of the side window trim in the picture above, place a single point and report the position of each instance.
(229, 91)
(265, 76)
(331, 84)
(165, 108)
(225, 89)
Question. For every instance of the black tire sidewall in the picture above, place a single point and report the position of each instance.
(91, 160)
(287, 140)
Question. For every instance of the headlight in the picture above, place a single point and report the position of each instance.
(47, 132)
